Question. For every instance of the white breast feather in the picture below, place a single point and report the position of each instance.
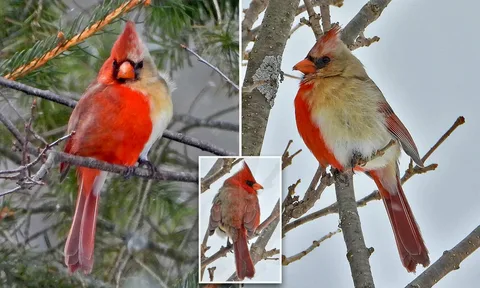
(363, 132)
(159, 125)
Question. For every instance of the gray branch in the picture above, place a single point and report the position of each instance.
(176, 136)
(357, 252)
(369, 13)
(267, 51)
(449, 261)
(251, 15)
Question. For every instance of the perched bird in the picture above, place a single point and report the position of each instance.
(236, 212)
(117, 120)
(343, 117)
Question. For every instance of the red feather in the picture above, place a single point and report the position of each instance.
(309, 131)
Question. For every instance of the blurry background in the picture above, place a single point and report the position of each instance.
(34, 223)
(426, 64)
(267, 173)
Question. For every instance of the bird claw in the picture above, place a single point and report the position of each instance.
(129, 172)
(229, 244)
(358, 160)
(145, 162)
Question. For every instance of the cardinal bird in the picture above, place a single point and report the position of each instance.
(342, 116)
(122, 113)
(236, 212)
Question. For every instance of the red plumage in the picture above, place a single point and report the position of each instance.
(341, 114)
(236, 211)
(112, 123)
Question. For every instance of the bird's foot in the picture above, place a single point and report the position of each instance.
(145, 162)
(358, 160)
(129, 172)
(229, 244)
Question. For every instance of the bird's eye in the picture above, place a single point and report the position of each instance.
(139, 65)
(115, 63)
(322, 62)
(250, 183)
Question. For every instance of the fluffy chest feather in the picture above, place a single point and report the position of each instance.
(349, 122)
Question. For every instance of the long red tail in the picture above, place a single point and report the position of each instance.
(81, 238)
(243, 260)
(407, 234)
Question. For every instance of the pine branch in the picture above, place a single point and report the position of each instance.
(64, 45)
(176, 136)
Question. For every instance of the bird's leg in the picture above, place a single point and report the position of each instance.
(145, 162)
(229, 244)
(358, 160)
(129, 172)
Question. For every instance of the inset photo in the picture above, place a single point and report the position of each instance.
(239, 212)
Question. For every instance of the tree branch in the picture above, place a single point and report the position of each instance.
(251, 15)
(369, 13)
(234, 85)
(449, 261)
(176, 136)
(357, 252)
(227, 165)
(315, 244)
(313, 19)
(207, 123)
(80, 37)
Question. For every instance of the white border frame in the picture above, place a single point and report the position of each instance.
(280, 223)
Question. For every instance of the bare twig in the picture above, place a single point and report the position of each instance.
(228, 163)
(369, 13)
(315, 244)
(314, 19)
(286, 157)
(207, 123)
(325, 12)
(57, 157)
(80, 37)
(45, 94)
(357, 253)
(151, 272)
(176, 136)
(449, 261)
(460, 120)
(211, 66)
(211, 272)
(337, 3)
(251, 15)
(39, 157)
(363, 41)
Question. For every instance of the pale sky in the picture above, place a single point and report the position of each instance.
(426, 65)
(266, 171)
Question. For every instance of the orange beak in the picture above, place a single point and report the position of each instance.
(305, 66)
(126, 71)
(257, 186)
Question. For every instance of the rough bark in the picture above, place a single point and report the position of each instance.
(357, 252)
(369, 13)
(264, 65)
